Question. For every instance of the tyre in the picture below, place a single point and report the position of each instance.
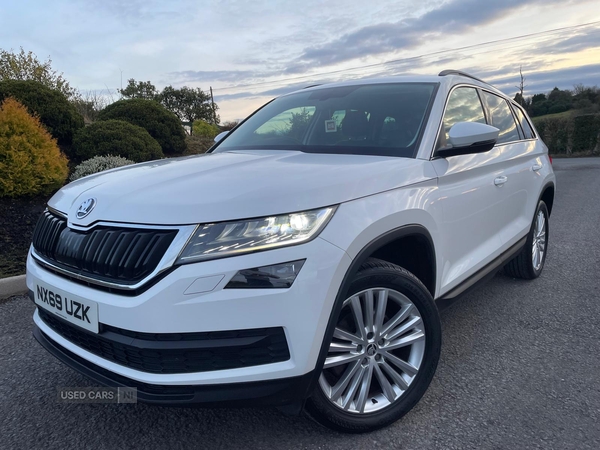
(529, 263)
(383, 353)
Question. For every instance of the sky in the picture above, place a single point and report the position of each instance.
(252, 51)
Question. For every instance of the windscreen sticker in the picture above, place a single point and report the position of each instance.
(330, 126)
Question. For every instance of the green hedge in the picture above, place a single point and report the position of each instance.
(586, 130)
(163, 125)
(568, 135)
(53, 109)
(118, 138)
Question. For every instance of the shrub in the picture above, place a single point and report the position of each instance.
(99, 164)
(30, 161)
(162, 124)
(115, 137)
(204, 129)
(197, 145)
(53, 109)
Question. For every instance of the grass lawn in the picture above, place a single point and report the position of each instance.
(564, 114)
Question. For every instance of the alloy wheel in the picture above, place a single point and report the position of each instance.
(376, 351)
(538, 247)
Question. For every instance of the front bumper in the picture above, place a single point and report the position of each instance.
(280, 392)
(302, 311)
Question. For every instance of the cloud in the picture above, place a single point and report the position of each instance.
(231, 76)
(133, 12)
(505, 79)
(566, 42)
(272, 92)
(455, 17)
(544, 81)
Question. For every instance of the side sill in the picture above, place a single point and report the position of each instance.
(482, 275)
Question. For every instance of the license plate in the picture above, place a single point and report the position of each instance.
(76, 310)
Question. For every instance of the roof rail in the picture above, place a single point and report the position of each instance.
(312, 85)
(443, 73)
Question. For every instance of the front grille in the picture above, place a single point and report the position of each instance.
(114, 254)
(177, 352)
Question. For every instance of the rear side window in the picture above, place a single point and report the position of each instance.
(527, 130)
(463, 106)
(501, 118)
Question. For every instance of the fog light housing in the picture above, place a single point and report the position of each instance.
(277, 276)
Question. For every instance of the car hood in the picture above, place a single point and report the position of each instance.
(233, 185)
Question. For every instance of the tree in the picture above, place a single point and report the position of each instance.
(519, 99)
(26, 66)
(538, 98)
(188, 104)
(229, 125)
(53, 109)
(162, 124)
(30, 161)
(139, 89)
(90, 103)
(299, 123)
(586, 98)
(559, 101)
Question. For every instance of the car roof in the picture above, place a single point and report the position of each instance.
(447, 81)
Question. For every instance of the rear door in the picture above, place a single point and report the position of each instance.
(519, 156)
(472, 204)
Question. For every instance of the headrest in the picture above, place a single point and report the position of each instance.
(355, 124)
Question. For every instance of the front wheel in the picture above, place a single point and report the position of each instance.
(383, 353)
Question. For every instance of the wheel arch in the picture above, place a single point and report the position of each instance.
(548, 196)
(380, 242)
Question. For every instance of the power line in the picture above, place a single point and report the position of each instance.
(411, 58)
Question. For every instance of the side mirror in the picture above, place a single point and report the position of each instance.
(469, 137)
(220, 136)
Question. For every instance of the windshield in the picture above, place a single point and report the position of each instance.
(375, 119)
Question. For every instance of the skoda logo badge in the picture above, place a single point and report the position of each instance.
(86, 207)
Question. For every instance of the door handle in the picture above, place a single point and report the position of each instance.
(536, 167)
(499, 181)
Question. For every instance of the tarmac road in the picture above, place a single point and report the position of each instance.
(519, 368)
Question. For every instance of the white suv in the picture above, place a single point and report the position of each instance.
(301, 262)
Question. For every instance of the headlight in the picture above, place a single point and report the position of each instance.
(218, 240)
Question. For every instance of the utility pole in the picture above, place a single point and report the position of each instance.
(212, 101)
